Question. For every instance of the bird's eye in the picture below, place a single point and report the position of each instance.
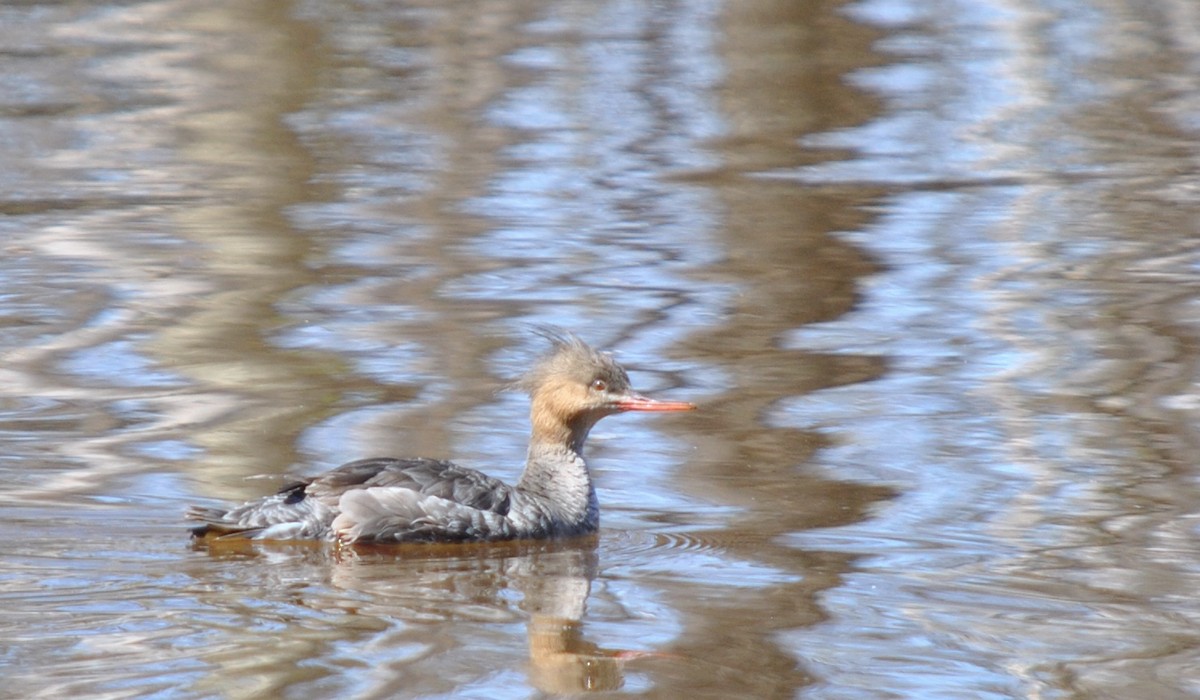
(599, 385)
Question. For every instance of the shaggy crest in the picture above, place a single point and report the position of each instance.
(570, 356)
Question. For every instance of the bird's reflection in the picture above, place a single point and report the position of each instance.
(472, 583)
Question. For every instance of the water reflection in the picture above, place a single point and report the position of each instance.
(392, 598)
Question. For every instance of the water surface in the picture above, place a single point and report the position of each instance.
(930, 273)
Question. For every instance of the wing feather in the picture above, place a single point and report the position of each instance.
(391, 514)
(378, 499)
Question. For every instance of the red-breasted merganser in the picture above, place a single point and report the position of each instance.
(387, 500)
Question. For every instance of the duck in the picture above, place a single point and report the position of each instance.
(387, 500)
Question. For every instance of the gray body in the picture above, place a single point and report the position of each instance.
(414, 500)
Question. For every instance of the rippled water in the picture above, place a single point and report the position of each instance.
(931, 272)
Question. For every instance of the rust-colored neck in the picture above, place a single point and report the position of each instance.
(555, 422)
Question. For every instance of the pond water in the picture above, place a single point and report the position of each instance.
(931, 271)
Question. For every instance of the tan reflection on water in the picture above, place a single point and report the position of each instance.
(409, 599)
(211, 132)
